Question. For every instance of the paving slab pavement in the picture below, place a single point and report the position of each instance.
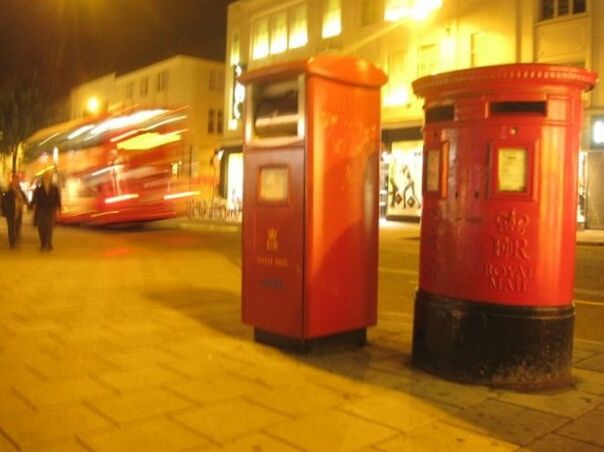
(115, 352)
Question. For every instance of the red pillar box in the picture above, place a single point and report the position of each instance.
(310, 206)
(497, 252)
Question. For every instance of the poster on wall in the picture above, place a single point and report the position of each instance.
(405, 180)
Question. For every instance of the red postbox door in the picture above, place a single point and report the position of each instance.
(273, 228)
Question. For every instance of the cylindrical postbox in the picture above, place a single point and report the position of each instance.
(310, 203)
(497, 253)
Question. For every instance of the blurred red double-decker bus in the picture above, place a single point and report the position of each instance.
(125, 168)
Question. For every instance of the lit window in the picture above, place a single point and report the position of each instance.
(397, 9)
(558, 8)
(397, 90)
(235, 49)
(415, 9)
(597, 133)
(260, 42)
(332, 18)
(279, 33)
(298, 33)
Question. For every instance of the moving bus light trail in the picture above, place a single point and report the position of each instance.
(181, 195)
(125, 165)
(119, 198)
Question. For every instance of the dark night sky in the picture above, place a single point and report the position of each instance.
(71, 41)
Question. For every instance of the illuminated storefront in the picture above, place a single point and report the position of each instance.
(402, 167)
(591, 183)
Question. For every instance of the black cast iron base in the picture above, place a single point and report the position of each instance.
(348, 339)
(524, 348)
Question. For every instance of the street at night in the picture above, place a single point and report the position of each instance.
(304, 225)
(119, 333)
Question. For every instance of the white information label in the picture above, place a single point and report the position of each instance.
(273, 184)
(433, 171)
(512, 170)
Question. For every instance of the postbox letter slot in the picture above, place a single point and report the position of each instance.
(440, 114)
(277, 111)
(518, 108)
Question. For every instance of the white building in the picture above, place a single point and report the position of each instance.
(180, 81)
(409, 39)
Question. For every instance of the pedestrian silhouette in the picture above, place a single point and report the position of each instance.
(13, 201)
(46, 202)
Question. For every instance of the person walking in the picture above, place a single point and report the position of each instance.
(13, 201)
(46, 202)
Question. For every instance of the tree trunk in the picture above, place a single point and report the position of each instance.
(14, 154)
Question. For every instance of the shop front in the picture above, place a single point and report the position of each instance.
(229, 196)
(591, 183)
(402, 174)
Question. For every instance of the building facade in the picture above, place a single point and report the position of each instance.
(179, 82)
(409, 39)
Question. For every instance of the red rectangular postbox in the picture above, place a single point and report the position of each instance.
(310, 207)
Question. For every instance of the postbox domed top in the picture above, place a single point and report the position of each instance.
(345, 69)
(504, 78)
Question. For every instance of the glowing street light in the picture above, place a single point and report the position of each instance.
(93, 105)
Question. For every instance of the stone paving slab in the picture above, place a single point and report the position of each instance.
(439, 437)
(587, 428)
(144, 436)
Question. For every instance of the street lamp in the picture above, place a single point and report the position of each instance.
(93, 105)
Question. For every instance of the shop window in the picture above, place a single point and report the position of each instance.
(332, 18)
(551, 9)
